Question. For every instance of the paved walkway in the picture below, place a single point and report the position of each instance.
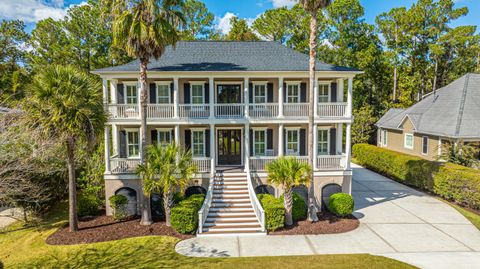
(395, 221)
(7, 216)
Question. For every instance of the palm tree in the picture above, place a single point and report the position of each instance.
(312, 7)
(67, 104)
(144, 28)
(288, 172)
(166, 170)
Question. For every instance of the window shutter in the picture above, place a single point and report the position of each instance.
(270, 139)
(269, 92)
(303, 140)
(333, 92)
(207, 93)
(188, 139)
(250, 93)
(172, 137)
(207, 143)
(284, 92)
(333, 141)
(303, 92)
(154, 137)
(120, 97)
(123, 144)
(284, 141)
(171, 93)
(250, 133)
(153, 93)
(186, 91)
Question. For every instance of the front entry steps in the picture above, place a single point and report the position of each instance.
(231, 211)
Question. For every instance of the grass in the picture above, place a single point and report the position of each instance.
(25, 247)
(473, 217)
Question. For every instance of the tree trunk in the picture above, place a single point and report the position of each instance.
(146, 212)
(167, 205)
(395, 84)
(312, 211)
(72, 186)
(434, 87)
(288, 204)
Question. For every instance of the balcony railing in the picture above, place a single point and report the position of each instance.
(194, 111)
(229, 110)
(203, 164)
(121, 111)
(123, 165)
(266, 110)
(162, 111)
(331, 162)
(332, 109)
(259, 163)
(295, 110)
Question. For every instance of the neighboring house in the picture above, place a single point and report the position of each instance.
(237, 106)
(450, 115)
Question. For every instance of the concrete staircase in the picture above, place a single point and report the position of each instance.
(231, 211)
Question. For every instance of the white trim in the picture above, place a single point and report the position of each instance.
(383, 137)
(405, 140)
(204, 141)
(290, 83)
(259, 129)
(137, 89)
(132, 130)
(323, 128)
(219, 82)
(169, 130)
(329, 90)
(163, 83)
(254, 95)
(297, 129)
(242, 142)
(423, 144)
(201, 83)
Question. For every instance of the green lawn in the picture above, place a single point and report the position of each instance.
(26, 248)
(474, 218)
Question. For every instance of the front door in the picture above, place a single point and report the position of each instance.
(229, 147)
(229, 93)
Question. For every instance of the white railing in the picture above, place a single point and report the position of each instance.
(302, 159)
(160, 111)
(295, 110)
(260, 163)
(202, 163)
(257, 207)
(122, 111)
(331, 162)
(193, 111)
(203, 212)
(229, 110)
(331, 109)
(123, 165)
(263, 110)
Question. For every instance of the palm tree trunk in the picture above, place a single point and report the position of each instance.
(288, 204)
(146, 212)
(72, 186)
(312, 211)
(167, 205)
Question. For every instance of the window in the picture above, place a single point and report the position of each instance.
(133, 144)
(197, 94)
(164, 137)
(408, 143)
(293, 91)
(259, 94)
(425, 145)
(384, 138)
(259, 142)
(323, 93)
(322, 147)
(131, 94)
(163, 93)
(198, 143)
(292, 142)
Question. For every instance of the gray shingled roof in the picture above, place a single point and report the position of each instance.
(454, 111)
(228, 56)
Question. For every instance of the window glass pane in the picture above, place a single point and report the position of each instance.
(323, 93)
(163, 94)
(292, 142)
(322, 147)
(260, 94)
(292, 93)
(425, 145)
(198, 143)
(133, 148)
(197, 94)
(164, 138)
(131, 92)
(259, 143)
(409, 140)
(384, 137)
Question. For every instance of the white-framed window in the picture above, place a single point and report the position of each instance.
(384, 138)
(163, 93)
(323, 140)
(425, 145)
(292, 142)
(133, 143)
(293, 93)
(198, 93)
(198, 143)
(408, 143)
(259, 93)
(259, 142)
(164, 137)
(131, 94)
(324, 92)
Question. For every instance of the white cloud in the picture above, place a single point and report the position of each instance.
(283, 3)
(33, 10)
(224, 23)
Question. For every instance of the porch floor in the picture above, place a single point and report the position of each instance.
(230, 169)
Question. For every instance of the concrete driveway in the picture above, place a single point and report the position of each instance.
(395, 221)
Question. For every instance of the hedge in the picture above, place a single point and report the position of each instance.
(184, 216)
(341, 204)
(274, 211)
(299, 209)
(453, 182)
(88, 204)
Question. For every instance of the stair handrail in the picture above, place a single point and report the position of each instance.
(257, 207)
(203, 212)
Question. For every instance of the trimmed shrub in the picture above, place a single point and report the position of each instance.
(274, 211)
(299, 208)
(341, 204)
(88, 204)
(184, 216)
(119, 203)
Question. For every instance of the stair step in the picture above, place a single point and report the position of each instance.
(232, 229)
(231, 178)
(230, 205)
(223, 174)
(234, 214)
(233, 218)
(230, 187)
(230, 200)
(251, 224)
(231, 182)
(230, 191)
(231, 210)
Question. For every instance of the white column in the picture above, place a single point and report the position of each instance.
(107, 149)
(246, 96)
(177, 134)
(340, 89)
(339, 137)
(105, 92)
(212, 150)
(113, 91)
(175, 98)
(349, 97)
(280, 97)
(315, 97)
(247, 147)
(315, 145)
(281, 143)
(211, 96)
(348, 146)
(115, 139)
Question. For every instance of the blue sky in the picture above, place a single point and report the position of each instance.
(33, 10)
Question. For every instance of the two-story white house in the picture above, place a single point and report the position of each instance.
(237, 106)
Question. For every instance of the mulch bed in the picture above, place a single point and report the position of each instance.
(327, 223)
(105, 228)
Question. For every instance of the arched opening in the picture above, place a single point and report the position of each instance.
(195, 190)
(265, 189)
(156, 204)
(131, 195)
(302, 191)
(328, 190)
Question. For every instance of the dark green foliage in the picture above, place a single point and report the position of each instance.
(299, 209)
(88, 204)
(118, 203)
(184, 216)
(274, 211)
(341, 204)
(178, 197)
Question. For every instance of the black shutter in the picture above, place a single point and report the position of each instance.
(269, 92)
(123, 144)
(207, 143)
(172, 93)
(186, 91)
(188, 139)
(172, 136)
(270, 139)
(333, 92)
(284, 92)
(153, 93)
(250, 93)
(154, 137)
(303, 92)
(333, 141)
(303, 140)
(207, 93)
(284, 141)
(250, 146)
(120, 97)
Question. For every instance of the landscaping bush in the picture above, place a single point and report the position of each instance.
(299, 209)
(88, 204)
(274, 211)
(118, 203)
(184, 216)
(341, 204)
